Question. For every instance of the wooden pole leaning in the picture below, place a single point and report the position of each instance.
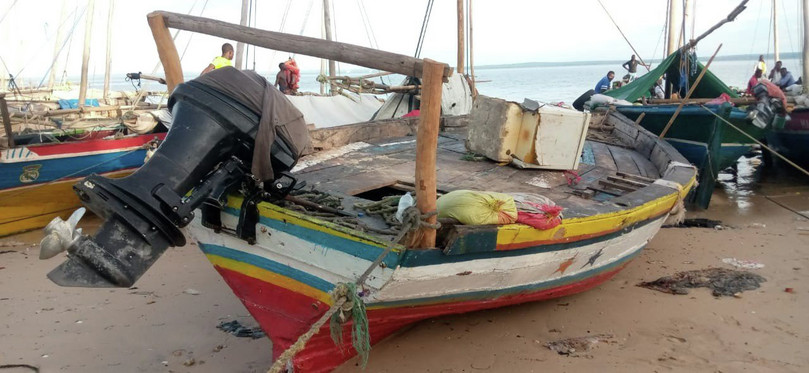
(687, 96)
(343, 52)
(426, 145)
(166, 50)
(6, 120)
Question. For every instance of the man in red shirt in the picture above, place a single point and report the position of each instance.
(753, 81)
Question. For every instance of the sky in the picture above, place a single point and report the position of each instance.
(504, 31)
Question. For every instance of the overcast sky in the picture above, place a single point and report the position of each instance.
(505, 31)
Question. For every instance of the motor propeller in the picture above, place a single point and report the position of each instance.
(60, 234)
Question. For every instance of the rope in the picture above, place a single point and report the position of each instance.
(758, 142)
(346, 299)
(625, 38)
(424, 24)
(8, 11)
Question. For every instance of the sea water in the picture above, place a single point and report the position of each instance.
(561, 83)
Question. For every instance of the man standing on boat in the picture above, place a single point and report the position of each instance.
(221, 61)
(775, 74)
(282, 78)
(632, 67)
(603, 85)
(761, 65)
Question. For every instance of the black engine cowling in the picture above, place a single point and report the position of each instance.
(208, 151)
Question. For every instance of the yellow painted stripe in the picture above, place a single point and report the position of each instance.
(590, 225)
(269, 277)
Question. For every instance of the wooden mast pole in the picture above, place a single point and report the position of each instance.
(775, 31)
(323, 61)
(426, 145)
(461, 39)
(6, 121)
(805, 58)
(166, 50)
(687, 16)
(471, 54)
(240, 45)
(109, 52)
(60, 30)
(327, 23)
(85, 58)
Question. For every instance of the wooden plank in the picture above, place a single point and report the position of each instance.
(426, 144)
(623, 160)
(610, 184)
(334, 137)
(641, 179)
(602, 155)
(343, 52)
(166, 50)
(646, 168)
(630, 182)
(6, 121)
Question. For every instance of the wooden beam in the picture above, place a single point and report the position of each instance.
(109, 53)
(240, 45)
(426, 145)
(343, 52)
(6, 120)
(166, 50)
(461, 39)
(327, 28)
(85, 58)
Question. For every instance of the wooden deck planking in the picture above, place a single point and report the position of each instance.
(602, 155)
(623, 160)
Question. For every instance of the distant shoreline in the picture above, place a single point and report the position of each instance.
(736, 57)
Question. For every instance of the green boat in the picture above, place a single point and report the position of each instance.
(696, 133)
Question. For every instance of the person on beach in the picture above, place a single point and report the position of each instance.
(632, 67)
(775, 74)
(603, 85)
(282, 78)
(753, 81)
(221, 61)
(786, 79)
(761, 65)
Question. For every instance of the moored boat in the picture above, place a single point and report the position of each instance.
(290, 259)
(36, 180)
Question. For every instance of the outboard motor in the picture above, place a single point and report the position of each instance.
(229, 127)
(766, 109)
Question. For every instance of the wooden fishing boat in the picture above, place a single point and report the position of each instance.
(290, 259)
(284, 279)
(36, 180)
(697, 133)
(792, 141)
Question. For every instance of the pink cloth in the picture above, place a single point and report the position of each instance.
(547, 219)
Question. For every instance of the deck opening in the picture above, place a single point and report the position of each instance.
(396, 188)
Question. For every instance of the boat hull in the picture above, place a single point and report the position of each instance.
(704, 140)
(36, 182)
(793, 140)
(284, 279)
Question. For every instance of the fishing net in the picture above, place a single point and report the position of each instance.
(723, 282)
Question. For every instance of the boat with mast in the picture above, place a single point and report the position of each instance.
(298, 257)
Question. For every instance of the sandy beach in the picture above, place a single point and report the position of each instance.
(168, 322)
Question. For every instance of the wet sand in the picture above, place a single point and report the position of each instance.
(160, 327)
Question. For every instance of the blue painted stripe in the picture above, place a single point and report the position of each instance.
(328, 241)
(529, 288)
(56, 168)
(416, 258)
(269, 265)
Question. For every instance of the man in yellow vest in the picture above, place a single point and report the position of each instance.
(221, 61)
